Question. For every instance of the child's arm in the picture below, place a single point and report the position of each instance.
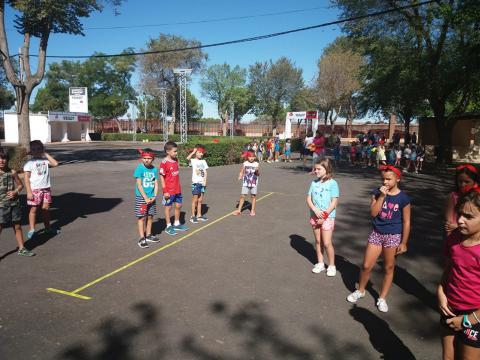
(155, 190)
(140, 189)
(441, 297)
(450, 214)
(333, 205)
(206, 176)
(240, 175)
(376, 203)
(14, 193)
(405, 229)
(312, 207)
(191, 154)
(51, 161)
(162, 182)
(257, 171)
(27, 185)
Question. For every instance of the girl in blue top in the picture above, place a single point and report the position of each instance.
(322, 200)
(390, 209)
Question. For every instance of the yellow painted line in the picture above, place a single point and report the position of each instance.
(63, 292)
(75, 292)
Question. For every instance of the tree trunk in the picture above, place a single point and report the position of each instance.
(119, 125)
(23, 99)
(444, 133)
(224, 123)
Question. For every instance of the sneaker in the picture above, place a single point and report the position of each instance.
(355, 296)
(51, 231)
(382, 305)
(318, 268)
(143, 243)
(331, 271)
(152, 238)
(25, 252)
(170, 230)
(194, 220)
(202, 218)
(180, 227)
(30, 234)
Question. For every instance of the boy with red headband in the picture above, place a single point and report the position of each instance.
(146, 189)
(249, 174)
(390, 209)
(199, 182)
(172, 193)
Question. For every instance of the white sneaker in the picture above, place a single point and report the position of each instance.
(382, 305)
(355, 296)
(318, 268)
(331, 271)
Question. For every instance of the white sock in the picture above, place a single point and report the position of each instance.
(176, 223)
(169, 224)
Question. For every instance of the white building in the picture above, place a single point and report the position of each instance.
(50, 127)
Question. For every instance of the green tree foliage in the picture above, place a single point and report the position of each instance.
(440, 40)
(7, 98)
(39, 19)
(107, 80)
(274, 85)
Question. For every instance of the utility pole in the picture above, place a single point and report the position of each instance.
(182, 75)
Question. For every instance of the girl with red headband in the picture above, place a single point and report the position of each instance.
(390, 210)
(199, 182)
(249, 174)
(466, 177)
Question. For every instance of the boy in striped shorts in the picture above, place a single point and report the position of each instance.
(146, 189)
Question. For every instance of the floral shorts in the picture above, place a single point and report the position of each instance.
(384, 240)
(40, 196)
(328, 224)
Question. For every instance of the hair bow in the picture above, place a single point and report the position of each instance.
(391, 168)
(467, 188)
(468, 167)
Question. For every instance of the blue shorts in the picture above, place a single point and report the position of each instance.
(198, 189)
(143, 209)
(177, 198)
(288, 152)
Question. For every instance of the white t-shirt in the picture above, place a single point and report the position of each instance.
(407, 153)
(198, 171)
(308, 141)
(250, 179)
(39, 173)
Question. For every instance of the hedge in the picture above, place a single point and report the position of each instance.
(175, 137)
(217, 154)
(17, 157)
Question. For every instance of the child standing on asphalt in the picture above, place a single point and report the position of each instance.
(10, 209)
(37, 183)
(466, 178)
(322, 199)
(277, 149)
(172, 192)
(390, 209)
(249, 174)
(199, 182)
(146, 189)
(459, 290)
(287, 150)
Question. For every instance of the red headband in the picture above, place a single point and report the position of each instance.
(391, 168)
(146, 154)
(247, 154)
(200, 150)
(467, 166)
(465, 189)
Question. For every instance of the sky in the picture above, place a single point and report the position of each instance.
(304, 48)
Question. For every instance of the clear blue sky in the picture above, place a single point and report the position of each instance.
(303, 48)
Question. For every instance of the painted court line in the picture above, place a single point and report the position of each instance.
(75, 292)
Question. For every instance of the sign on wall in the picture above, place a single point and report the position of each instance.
(78, 99)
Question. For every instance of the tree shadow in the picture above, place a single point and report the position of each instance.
(117, 337)
(76, 156)
(382, 338)
(69, 207)
(8, 253)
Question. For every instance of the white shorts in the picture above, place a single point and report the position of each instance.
(246, 190)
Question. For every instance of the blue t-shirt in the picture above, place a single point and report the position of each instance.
(322, 194)
(148, 177)
(390, 218)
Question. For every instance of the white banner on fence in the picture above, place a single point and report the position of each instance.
(78, 99)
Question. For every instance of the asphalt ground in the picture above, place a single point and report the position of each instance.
(231, 288)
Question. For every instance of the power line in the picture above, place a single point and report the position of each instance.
(255, 38)
(287, 12)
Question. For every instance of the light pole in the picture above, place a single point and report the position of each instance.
(133, 103)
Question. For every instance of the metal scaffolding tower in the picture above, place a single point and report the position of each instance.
(163, 104)
(182, 75)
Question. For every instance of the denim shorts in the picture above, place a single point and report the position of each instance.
(177, 198)
(198, 189)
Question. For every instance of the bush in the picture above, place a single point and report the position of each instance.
(217, 154)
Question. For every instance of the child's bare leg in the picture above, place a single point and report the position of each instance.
(328, 246)
(17, 229)
(254, 204)
(194, 204)
(318, 245)
(372, 252)
(32, 217)
(46, 215)
(149, 225)
(388, 268)
(448, 344)
(177, 212)
(167, 215)
(469, 352)
(199, 205)
(141, 226)
(240, 205)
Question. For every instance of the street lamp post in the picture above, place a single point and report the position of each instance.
(134, 117)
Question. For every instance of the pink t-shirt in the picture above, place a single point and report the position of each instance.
(319, 144)
(463, 282)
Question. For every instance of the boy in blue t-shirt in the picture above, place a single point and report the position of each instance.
(146, 188)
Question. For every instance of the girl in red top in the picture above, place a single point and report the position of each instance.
(466, 177)
(459, 289)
